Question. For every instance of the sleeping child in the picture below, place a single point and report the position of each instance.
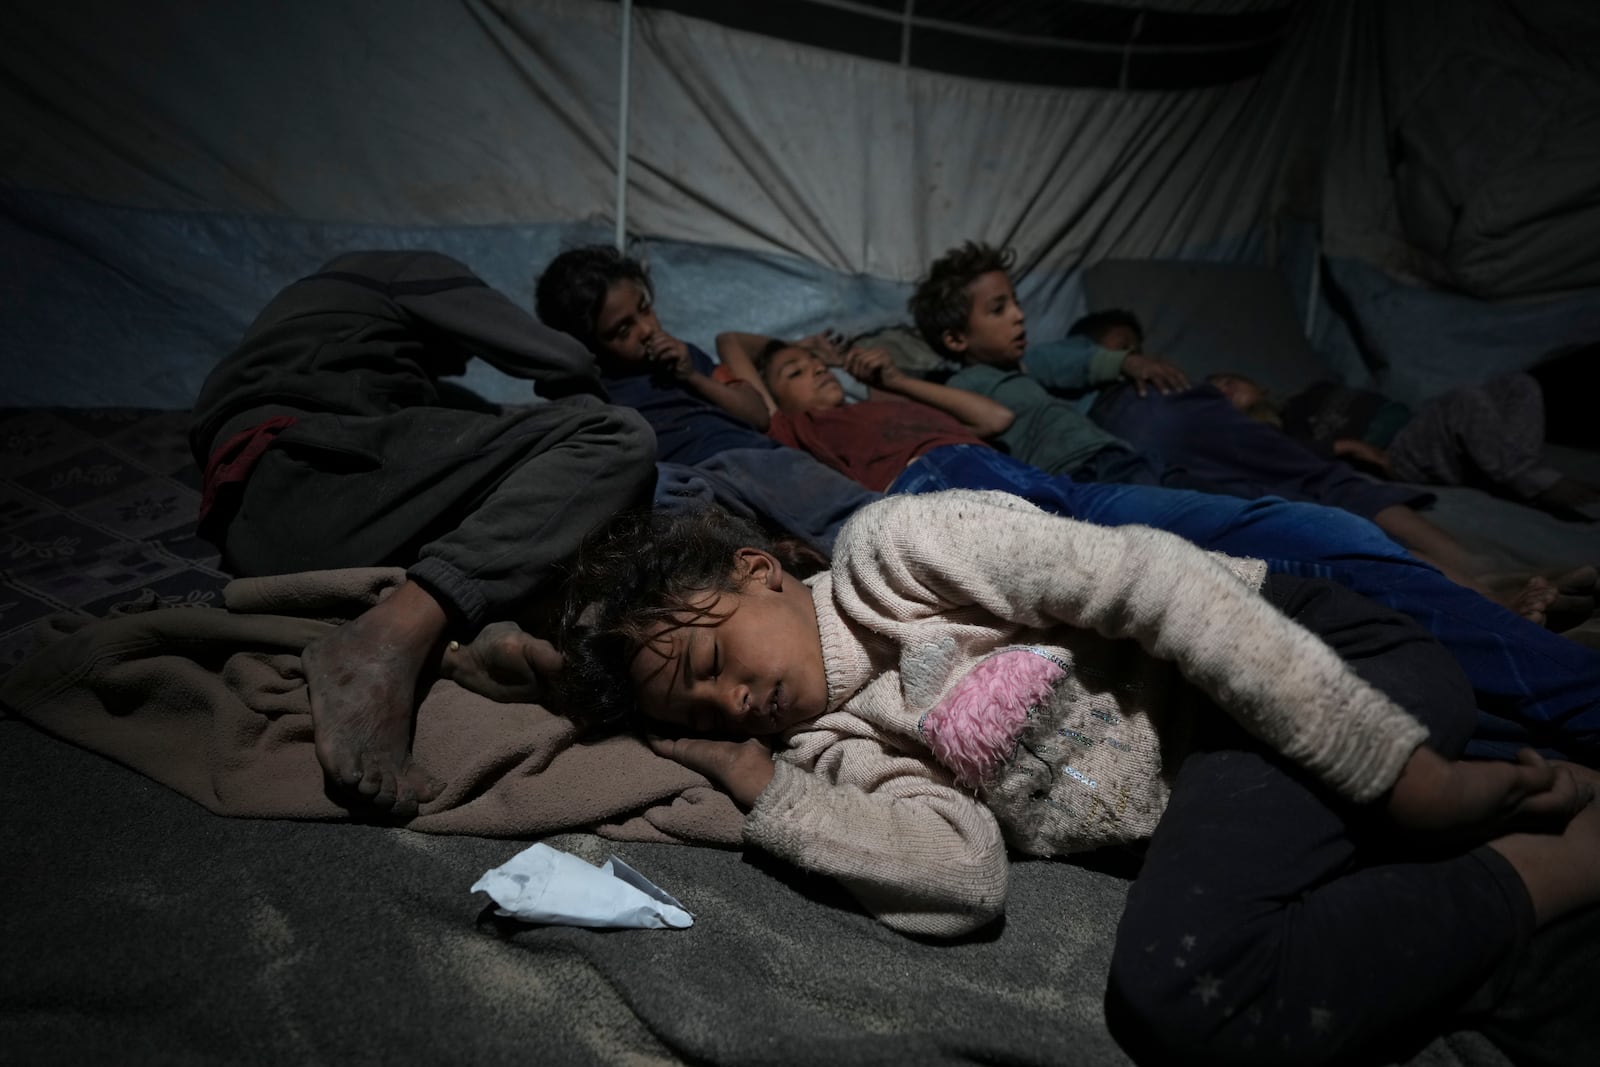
(973, 675)
(1544, 689)
(1490, 434)
(966, 308)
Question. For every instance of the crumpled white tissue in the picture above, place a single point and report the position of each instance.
(544, 885)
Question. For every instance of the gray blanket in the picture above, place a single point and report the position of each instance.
(140, 928)
(212, 702)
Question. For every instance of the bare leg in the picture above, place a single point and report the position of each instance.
(1558, 600)
(1531, 599)
(362, 680)
(1432, 545)
(1561, 871)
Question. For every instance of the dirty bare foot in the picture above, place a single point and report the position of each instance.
(1533, 600)
(504, 663)
(1556, 599)
(362, 682)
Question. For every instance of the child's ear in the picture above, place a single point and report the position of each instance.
(759, 566)
(954, 340)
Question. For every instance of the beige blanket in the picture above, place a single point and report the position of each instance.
(212, 703)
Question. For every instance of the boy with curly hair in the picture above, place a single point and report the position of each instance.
(967, 308)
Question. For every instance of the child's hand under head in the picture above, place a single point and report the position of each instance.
(745, 665)
(742, 769)
(1434, 794)
(826, 345)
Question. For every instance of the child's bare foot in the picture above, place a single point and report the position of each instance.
(1533, 600)
(1558, 600)
(362, 682)
(1438, 795)
(1560, 870)
(504, 663)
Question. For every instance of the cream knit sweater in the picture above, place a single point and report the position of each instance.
(923, 588)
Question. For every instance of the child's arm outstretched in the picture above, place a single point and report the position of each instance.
(980, 414)
(911, 556)
(1438, 795)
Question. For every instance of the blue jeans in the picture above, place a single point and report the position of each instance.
(1198, 432)
(1532, 687)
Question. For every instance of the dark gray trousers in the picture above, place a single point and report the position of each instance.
(480, 508)
(1273, 923)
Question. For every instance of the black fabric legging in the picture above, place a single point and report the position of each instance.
(1271, 923)
(479, 507)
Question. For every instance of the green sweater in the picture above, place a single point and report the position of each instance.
(1049, 432)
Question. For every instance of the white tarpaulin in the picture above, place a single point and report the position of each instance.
(168, 165)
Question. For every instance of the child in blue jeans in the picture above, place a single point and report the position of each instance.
(973, 676)
(967, 309)
(1533, 687)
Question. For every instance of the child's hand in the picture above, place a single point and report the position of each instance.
(1434, 794)
(827, 344)
(872, 366)
(669, 355)
(1146, 371)
(742, 769)
(1359, 451)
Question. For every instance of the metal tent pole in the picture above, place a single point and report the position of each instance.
(622, 126)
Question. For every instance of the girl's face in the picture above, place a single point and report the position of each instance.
(749, 665)
(626, 322)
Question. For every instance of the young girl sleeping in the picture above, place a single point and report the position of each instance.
(973, 674)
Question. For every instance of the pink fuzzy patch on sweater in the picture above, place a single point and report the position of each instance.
(974, 728)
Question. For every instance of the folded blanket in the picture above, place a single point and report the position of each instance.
(212, 703)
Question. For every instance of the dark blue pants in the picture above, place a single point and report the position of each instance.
(479, 507)
(1531, 686)
(778, 487)
(1198, 432)
(1274, 923)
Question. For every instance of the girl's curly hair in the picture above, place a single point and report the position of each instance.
(641, 569)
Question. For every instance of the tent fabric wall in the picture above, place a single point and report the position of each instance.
(1467, 149)
(485, 113)
(171, 151)
(164, 167)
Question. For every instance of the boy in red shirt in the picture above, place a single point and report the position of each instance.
(874, 440)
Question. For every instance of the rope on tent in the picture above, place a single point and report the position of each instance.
(1127, 51)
